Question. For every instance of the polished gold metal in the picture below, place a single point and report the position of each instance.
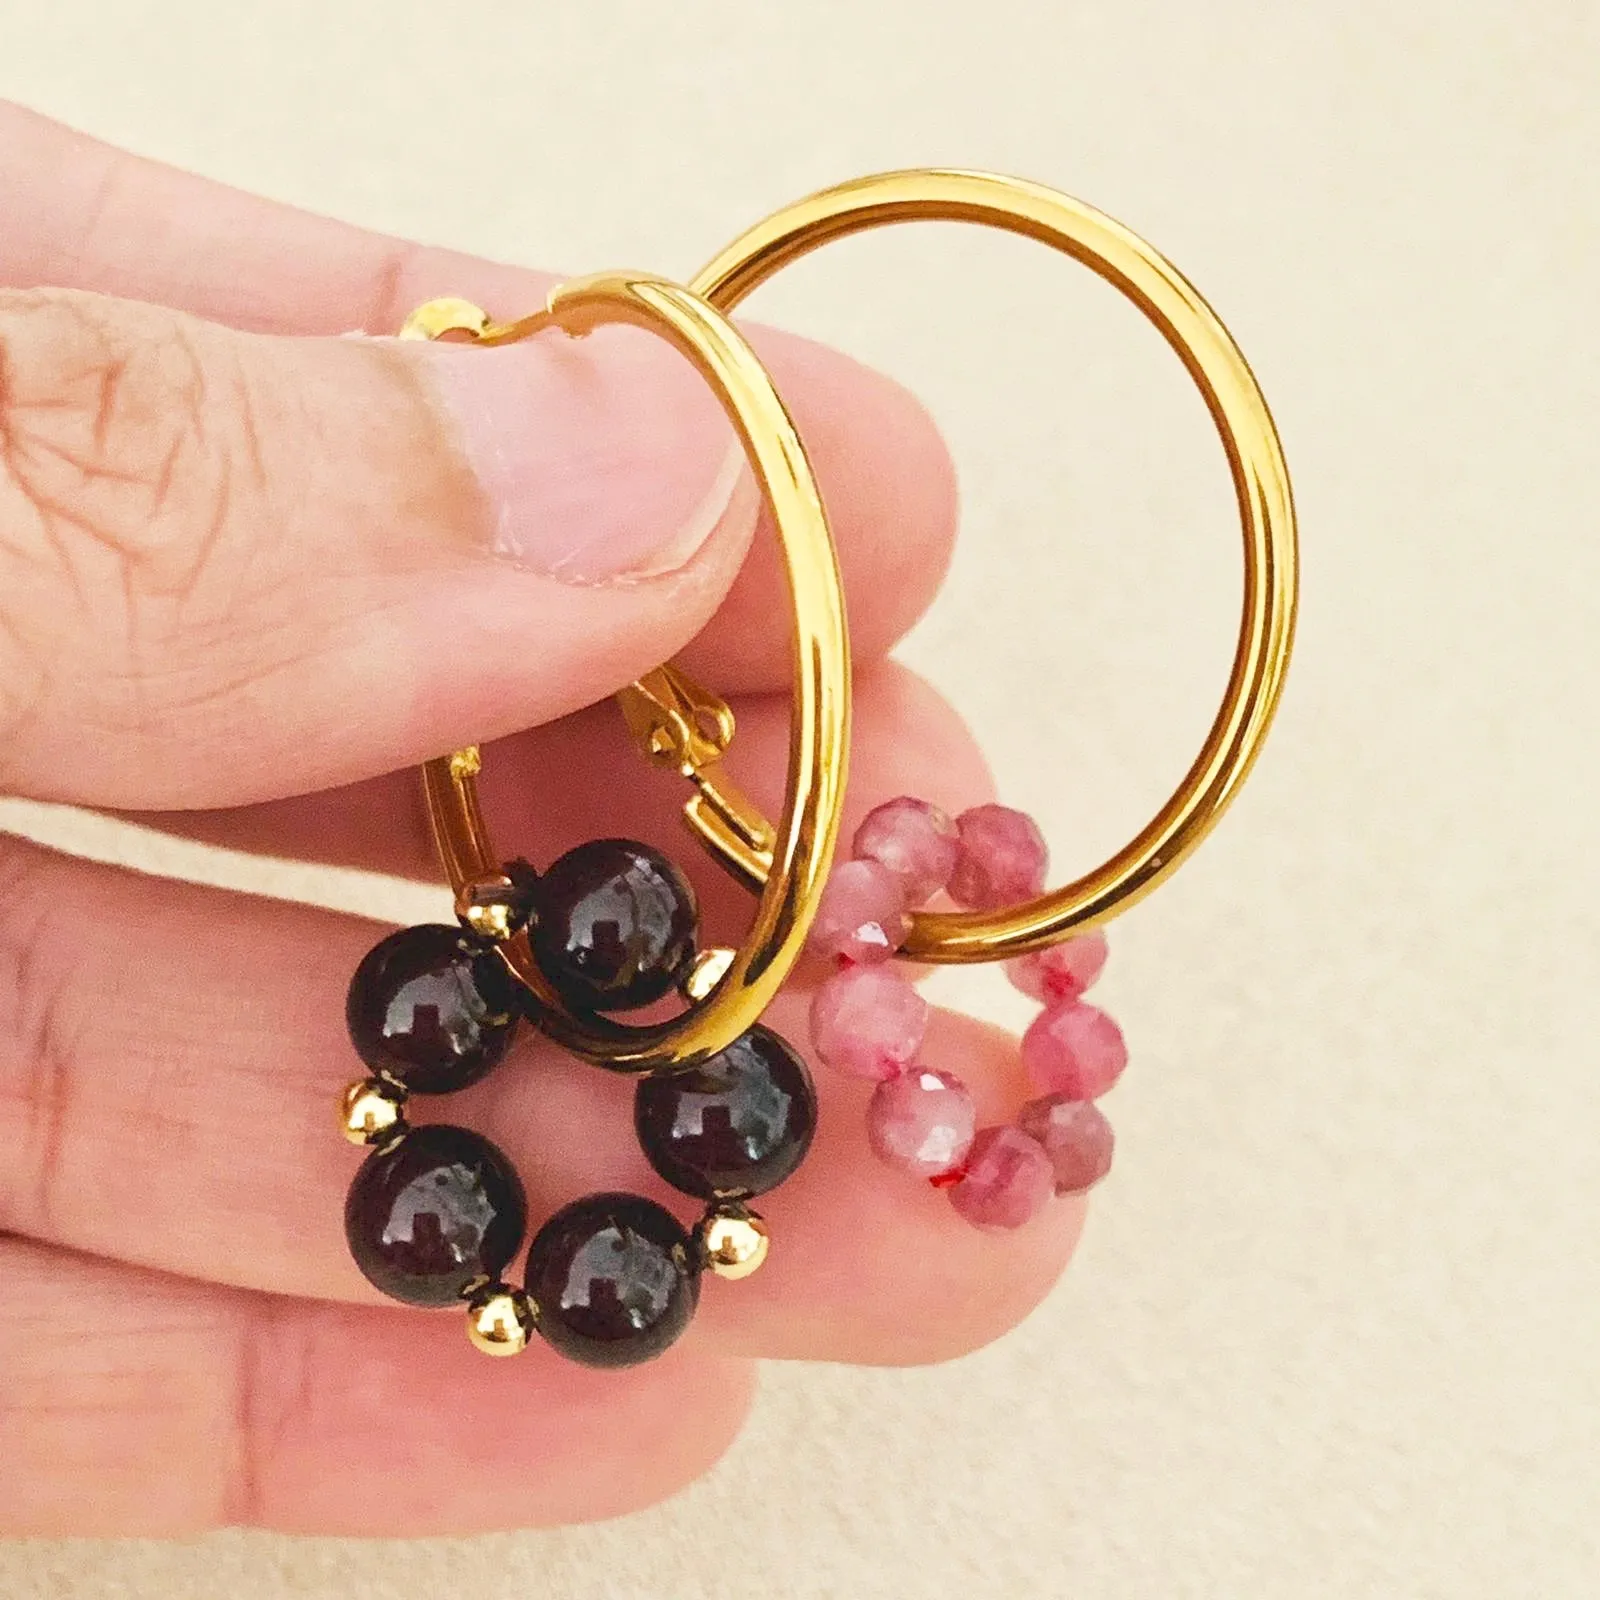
(439, 319)
(681, 724)
(488, 905)
(676, 721)
(467, 763)
(372, 1112)
(1260, 477)
(500, 1320)
(733, 1242)
(708, 969)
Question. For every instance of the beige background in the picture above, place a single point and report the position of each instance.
(1332, 1330)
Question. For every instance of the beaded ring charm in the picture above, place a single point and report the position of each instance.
(724, 1108)
(868, 1021)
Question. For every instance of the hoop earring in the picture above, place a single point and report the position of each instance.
(436, 1213)
(1260, 476)
(674, 720)
(868, 1021)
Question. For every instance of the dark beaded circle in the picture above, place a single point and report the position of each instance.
(737, 1125)
(434, 1214)
(614, 926)
(430, 1009)
(614, 1279)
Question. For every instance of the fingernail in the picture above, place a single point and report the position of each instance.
(600, 459)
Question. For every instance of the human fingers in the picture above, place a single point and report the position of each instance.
(554, 787)
(136, 1403)
(81, 214)
(233, 567)
(167, 1084)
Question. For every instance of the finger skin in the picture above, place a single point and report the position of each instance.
(135, 1403)
(581, 778)
(168, 1079)
(83, 215)
(234, 567)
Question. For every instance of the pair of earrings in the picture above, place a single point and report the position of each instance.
(725, 1108)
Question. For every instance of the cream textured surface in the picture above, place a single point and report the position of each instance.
(1332, 1330)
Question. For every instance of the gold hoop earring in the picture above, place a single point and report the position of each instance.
(1260, 476)
(676, 722)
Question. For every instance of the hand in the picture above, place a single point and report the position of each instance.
(247, 581)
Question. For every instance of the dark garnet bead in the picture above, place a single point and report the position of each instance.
(432, 1215)
(613, 1278)
(736, 1125)
(615, 925)
(431, 1009)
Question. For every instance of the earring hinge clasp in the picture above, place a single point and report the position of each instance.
(678, 723)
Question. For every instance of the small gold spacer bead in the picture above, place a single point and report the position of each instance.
(484, 905)
(372, 1112)
(497, 904)
(732, 1241)
(500, 1320)
(707, 971)
(466, 763)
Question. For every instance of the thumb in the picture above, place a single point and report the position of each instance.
(235, 566)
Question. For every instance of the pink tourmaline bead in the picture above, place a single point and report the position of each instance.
(862, 915)
(916, 841)
(1063, 971)
(1001, 859)
(868, 1021)
(1008, 1180)
(1075, 1050)
(922, 1122)
(1076, 1137)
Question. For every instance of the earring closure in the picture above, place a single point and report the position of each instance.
(679, 723)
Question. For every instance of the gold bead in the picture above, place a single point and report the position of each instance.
(733, 1242)
(485, 905)
(372, 1111)
(495, 905)
(500, 1320)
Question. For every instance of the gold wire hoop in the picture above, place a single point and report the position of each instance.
(1260, 476)
(675, 721)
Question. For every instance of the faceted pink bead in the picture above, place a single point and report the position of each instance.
(1001, 860)
(1076, 1137)
(1075, 1050)
(922, 1122)
(1008, 1180)
(868, 1021)
(916, 841)
(1063, 971)
(862, 915)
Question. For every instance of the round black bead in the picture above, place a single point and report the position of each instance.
(434, 1214)
(430, 1009)
(615, 926)
(614, 1280)
(736, 1125)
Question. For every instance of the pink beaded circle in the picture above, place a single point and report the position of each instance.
(868, 1021)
